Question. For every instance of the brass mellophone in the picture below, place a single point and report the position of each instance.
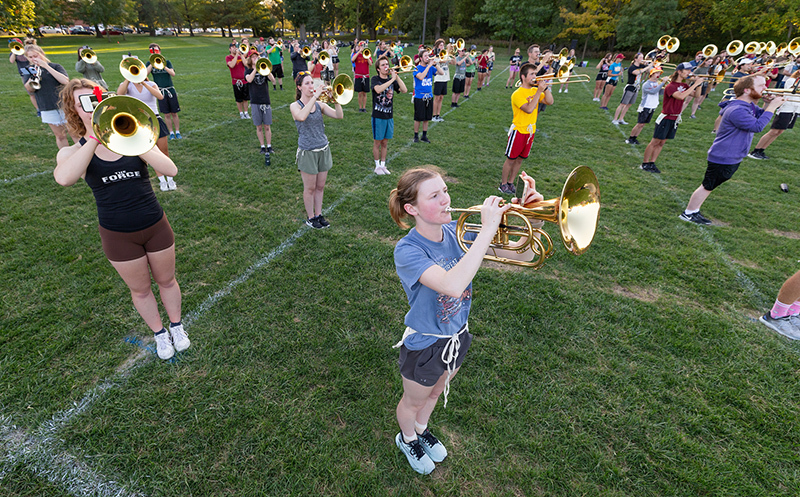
(158, 61)
(88, 56)
(133, 69)
(125, 125)
(16, 47)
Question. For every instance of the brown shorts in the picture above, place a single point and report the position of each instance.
(121, 247)
(426, 366)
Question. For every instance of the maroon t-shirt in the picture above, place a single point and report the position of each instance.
(673, 106)
(237, 71)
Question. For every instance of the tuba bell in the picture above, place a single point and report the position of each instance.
(88, 56)
(244, 47)
(575, 212)
(709, 50)
(133, 69)
(125, 125)
(734, 48)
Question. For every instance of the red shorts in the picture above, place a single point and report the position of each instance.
(519, 145)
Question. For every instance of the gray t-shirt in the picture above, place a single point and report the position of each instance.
(311, 132)
(92, 72)
(47, 95)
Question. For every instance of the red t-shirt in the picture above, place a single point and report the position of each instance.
(237, 71)
(316, 71)
(362, 66)
(673, 106)
(483, 61)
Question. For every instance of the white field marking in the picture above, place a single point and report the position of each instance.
(41, 452)
(27, 176)
(745, 282)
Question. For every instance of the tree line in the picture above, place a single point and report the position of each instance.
(596, 25)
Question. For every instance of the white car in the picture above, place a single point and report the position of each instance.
(164, 32)
(49, 30)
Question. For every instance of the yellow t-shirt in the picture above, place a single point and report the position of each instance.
(522, 119)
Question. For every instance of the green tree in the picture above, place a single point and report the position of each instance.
(593, 19)
(107, 13)
(525, 21)
(17, 15)
(640, 19)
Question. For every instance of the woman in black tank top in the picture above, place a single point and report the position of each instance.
(137, 238)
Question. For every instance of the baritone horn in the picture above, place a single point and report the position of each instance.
(157, 61)
(88, 56)
(133, 69)
(263, 66)
(324, 58)
(340, 91)
(753, 47)
(306, 52)
(794, 46)
(460, 44)
(244, 48)
(125, 125)
(673, 44)
(575, 212)
(16, 47)
(367, 53)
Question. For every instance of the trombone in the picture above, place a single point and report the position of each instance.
(16, 47)
(133, 69)
(575, 212)
(790, 94)
(562, 78)
(340, 91)
(158, 61)
(88, 56)
(125, 125)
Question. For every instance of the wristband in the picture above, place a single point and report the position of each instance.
(95, 139)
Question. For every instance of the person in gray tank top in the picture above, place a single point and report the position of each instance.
(313, 150)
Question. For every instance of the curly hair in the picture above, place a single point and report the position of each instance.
(75, 125)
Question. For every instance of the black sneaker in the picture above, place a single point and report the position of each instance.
(425, 139)
(654, 169)
(479, 89)
(466, 96)
(695, 218)
(416, 139)
(636, 141)
(503, 188)
(269, 150)
(512, 189)
(263, 150)
(324, 222)
(757, 154)
(314, 223)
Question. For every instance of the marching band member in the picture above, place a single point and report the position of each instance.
(169, 105)
(667, 122)
(314, 158)
(614, 71)
(469, 73)
(565, 86)
(50, 77)
(784, 119)
(741, 118)
(441, 80)
(513, 68)
(333, 51)
(650, 91)
(148, 92)
(423, 95)
(701, 93)
(636, 68)
(525, 103)
(740, 70)
(384, 86)
(23, 63)
(489, 65)
(483, 68)
(602, 75)
(260, 107)
(361, 76)
(275, 55)
(460, 77)
(93, 71)
(299, 63)
(136, 236)
(437, 278)
(241, 93)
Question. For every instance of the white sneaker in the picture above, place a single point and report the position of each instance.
(179, 338)
(171, 184)
(241, 115)
(614, 122)
(378, 171)
(622, 121)
(595, 100)
(247, 115)
(384, 170)
(164, 346)
(566, 90)
(559, 90)
(164, 186)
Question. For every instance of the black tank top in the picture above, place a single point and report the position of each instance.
(123, 193)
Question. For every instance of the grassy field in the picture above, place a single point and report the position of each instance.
(636, 369)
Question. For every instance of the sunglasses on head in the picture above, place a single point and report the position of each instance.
(89, 101)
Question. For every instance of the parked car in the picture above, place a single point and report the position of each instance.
(111, 31)
(164, 32)
(127, 29)
(79, 30)
(49, 30)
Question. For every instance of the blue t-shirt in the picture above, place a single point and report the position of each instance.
(431, 312)
(614, 71)
(423, 88)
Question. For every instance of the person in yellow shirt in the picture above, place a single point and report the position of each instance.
(525, 106)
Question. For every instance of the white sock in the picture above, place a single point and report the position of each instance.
(688, 212)
(420, 428)
(408, 439)
(269, 145)
(377, 163)
(383, 163)
(162, 179)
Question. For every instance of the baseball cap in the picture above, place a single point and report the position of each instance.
(684, 66)
(620, 56)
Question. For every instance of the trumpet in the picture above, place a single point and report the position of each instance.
(88, 56)
(734, 48)
(16, 47)
(36, 79)
(575, 212)
(263, 66)
(133, 69)
(709, 50)
(244, 47)
(406, 64)
(158, 61)
(125, 125)
(340, 91)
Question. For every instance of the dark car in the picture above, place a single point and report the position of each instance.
(111, 31)
(79, 30)
(127, 30)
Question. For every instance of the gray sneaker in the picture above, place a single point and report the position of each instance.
(432, 446)
(785, 325)
(417, 458)
(695, 218)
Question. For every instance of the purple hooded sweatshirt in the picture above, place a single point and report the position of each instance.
(740, 120)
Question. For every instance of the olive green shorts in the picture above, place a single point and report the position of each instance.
(314, 162)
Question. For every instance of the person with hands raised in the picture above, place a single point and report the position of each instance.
(44, 79)
(384, 87)
(314, 158)
(260, 108)
(436, 275)
(136, 236)
(423, 95)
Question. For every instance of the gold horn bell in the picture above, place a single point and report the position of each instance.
(340, 91)
(264, 66)
(16, 48)
(157, 61)
(133, 69)
(125, 125)
(88, 56)
(575, 212)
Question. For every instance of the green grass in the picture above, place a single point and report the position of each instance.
(635, 369)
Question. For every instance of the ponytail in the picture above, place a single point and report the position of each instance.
(406, 191)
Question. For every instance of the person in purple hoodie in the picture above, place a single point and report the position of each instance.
(741, 118)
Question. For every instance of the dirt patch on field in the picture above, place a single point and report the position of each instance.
(638, 293)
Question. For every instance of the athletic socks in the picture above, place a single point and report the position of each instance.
(408, 439)
(689, 213)
(416, 135)
(420, 428)
(780, 310)
(383, 163)
(424, 134)
(377, 163)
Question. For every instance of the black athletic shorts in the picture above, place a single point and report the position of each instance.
(458, 85)
(440, 87)
(644, 116)
(469, 74)
(784, 120)
(241, 92)
(426, 366)
(716, 174)
(423, 109)
(162, 128)
(277, 70)
(169, 104)
(666, 129)
(361, 85)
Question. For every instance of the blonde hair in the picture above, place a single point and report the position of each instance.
(407, 190)
(38, 50)
(67, 102)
